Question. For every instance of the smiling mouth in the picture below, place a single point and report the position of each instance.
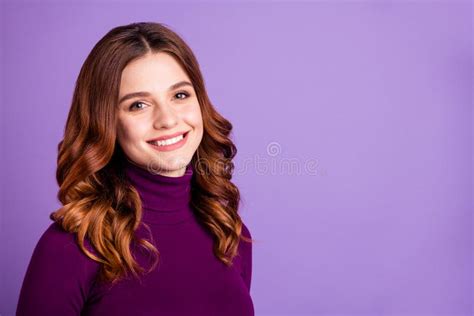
(170, 141)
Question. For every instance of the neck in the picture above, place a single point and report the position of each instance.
(165, 199)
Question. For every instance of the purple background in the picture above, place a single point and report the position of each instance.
(375, 95)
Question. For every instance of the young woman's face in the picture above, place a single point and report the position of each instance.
(161, 110)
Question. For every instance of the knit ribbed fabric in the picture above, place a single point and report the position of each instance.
(189, 279)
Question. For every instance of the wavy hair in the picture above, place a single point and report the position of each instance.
(99, 205)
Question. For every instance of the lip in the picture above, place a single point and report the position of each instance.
(167, 136)
(172, 146)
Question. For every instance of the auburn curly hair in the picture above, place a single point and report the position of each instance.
(98, 203)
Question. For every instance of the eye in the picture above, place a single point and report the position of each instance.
(186, 95)
(135, 103)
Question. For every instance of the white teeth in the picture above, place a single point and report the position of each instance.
(168, 141)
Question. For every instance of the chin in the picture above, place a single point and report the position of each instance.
(167, 164)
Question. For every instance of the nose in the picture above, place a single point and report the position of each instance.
(165, 117)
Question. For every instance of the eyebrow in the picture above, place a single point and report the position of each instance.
(147, 94)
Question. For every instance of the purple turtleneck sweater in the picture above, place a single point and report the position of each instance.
(189, 279)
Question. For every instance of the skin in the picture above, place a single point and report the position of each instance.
(163, 112)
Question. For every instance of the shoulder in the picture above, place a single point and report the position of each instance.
(56, 240)
(54, 236)
(246, 256)
(246, 246)
(246, 231)
(59, 276)
(57, 245)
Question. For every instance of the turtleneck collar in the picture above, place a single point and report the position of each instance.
(165, 200)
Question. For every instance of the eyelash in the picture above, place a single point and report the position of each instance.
(181, 92)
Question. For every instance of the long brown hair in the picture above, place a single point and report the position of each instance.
(99, 204)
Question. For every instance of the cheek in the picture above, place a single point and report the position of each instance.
(127, 131)
(195, 120)
(194, 117)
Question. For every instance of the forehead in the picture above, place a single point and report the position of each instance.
(155, 71)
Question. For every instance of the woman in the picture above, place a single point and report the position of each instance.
(149, 223)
